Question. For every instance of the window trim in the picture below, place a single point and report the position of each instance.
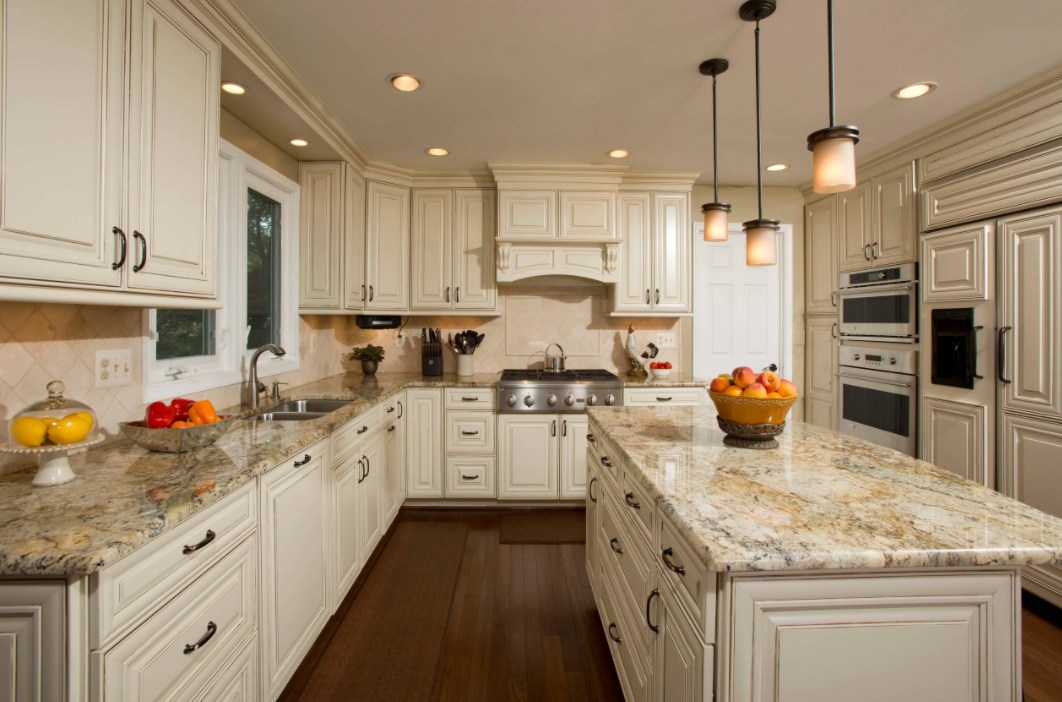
(237, 171)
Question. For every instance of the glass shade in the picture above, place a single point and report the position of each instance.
(834, 166)
(716, 221)
(761, 242)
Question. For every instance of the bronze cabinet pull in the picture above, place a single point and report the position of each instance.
(976, 375)
(466, 398)
(137, 236)
(647, 293)
(210, 535)
(401, 410)
(447, 293)
(605, 461)
(658, 296)
(364, 429)
(666, 555)
(361, 473)
(590, 438)
(465, 476)
(874, 250)
(370, 293)
(1001, 355)
(465, 432)
(391, 428)
(834, 296)
(457, 291)
(631, 502)
(612, 629)
(665, 399)
(553, 430)
(564, 427)
(833, 330)
(390, 409)
(648, 604)
(123, 248)
(364, 294)
(614, 543)
(212, 629)
(590, 489)
(866, 252)
(305, 459)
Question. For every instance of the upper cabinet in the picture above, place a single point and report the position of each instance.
(528, 214)
(657, 266)
(878, 221)
(137, 80)
(387, 247)
(820, 256)
(452, 243)
(533, 214)
(588, 215)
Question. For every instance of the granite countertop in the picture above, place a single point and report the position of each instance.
(821, 500)
(677, 379)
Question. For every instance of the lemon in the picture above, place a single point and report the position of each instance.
(29, 431)
(69, 430)
(85, 416)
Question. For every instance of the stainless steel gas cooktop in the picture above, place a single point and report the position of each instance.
(572, 391)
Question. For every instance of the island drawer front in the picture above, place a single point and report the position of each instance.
(216, 615)
(470, 432)
(238, 682)
(470, 476)
(631, 568)
(628, 659)
(347, 437)
(468, 398)
(133, 587)
(695, 585)
(655, 397)
(392, 410)
(639, 506)
(605, 458)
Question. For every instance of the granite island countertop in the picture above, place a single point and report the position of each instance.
(822, 500)
(124, 495)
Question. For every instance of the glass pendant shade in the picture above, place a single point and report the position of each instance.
(833, 159)
(716, 221)
(761, 242)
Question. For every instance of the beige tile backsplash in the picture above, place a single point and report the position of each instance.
(43, 342)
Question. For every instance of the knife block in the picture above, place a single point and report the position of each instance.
(431, 362)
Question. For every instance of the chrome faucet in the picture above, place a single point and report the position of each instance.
(256, 387)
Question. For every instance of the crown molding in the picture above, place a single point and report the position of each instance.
(659, 180)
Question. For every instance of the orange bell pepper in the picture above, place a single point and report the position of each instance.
(202, 412)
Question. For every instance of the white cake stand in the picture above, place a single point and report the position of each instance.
(53, 460)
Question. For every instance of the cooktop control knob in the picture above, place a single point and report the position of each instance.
(855, 357)
(592, 400)
(610, 399)
(551, 400)
(570, 400)
(511, 400)
(892, 360)
(529, 400)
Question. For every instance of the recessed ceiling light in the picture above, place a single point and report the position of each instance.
(437, 151)
(404, 82)
(298, 142)
(619, 153)
(915, 90)
(778, 166)
(233, 88)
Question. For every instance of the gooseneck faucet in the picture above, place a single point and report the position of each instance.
(255, 387)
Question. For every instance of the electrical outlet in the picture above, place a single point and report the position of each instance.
(400, 340)
(114, 368)
(666, 340)
(313, 343)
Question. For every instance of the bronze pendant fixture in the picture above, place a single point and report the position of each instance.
(761, 235)
(716, 214)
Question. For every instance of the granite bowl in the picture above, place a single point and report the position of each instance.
(751, 411)
(177, 440)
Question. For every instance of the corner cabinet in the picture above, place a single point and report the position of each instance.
(878, 220)
(387, 247)
(136, 167)
(657, 266)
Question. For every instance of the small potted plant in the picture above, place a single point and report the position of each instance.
(369, 355)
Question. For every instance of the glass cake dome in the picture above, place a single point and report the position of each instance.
(52, 422)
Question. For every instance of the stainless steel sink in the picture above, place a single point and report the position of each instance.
(301, 410)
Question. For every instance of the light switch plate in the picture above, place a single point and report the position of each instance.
(114, 368)
(666, 340)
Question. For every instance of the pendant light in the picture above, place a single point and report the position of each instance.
(833, 148)
(716, 214)
(761, 245)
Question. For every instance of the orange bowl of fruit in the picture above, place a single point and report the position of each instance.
(178, 426)
(752, 406)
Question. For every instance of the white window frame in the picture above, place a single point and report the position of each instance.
(237, 171)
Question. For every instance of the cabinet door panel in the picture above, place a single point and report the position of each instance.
(671, 252)
(895, 229)
(345, 514)
(573, 456)
(954, 438)
(32, 640)
(474, 280)
(588, 215)
(527, 457)
(820, 256)
(320, 241)
(955, 263)
(854, 223)
(355, 288)
(424, 443)
(821, 373)
(61, 171)
(387, 250)
(528, 214)
(634, 290)
(682, 668)
(394, 479)
(371, 501)
(430, 249)
(176, 67)
(1030, 295)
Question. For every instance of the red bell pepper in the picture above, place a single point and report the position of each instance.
(180, 406)
(159, 415)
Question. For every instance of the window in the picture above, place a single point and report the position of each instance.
(189, 351)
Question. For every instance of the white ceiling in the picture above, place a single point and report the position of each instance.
(560, 80)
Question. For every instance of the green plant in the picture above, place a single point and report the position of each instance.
(367, 353)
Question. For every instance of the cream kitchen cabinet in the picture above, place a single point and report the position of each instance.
(138, 157)
(820, 396)
(682, 664)
(345, 514)
(371, 503)
(293, 499)
(574, 429)
(527, 214)
(878, 221)
(541, 457)
(657, 266)
(452, 243)
(821, 249)
(393, 445)
(33, 626)
(424, 443)
(387, 247)
(588, 215)
(955, 436)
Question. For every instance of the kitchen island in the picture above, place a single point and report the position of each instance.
(828, 569)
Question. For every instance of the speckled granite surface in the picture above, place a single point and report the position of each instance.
(822, 500)
(675, 380)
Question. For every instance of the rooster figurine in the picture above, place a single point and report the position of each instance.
(632, 349)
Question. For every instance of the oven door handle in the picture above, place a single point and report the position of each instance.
(1001, 355)
(976, 375)
(875, 380)
(875, 290)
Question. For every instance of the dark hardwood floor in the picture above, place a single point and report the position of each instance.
(522, 625)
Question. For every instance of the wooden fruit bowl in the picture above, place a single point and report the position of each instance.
(751, 410)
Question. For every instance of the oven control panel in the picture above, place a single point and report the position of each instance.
(893, 360)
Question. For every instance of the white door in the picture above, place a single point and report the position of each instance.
(473, 250)
(527, 457)
(573, 442)
(173, 146)
(634, 290)
(424, 443)
(671, 252)
(387, 249)
(740, 317)
(62, 131)
(370, 499)
(430, 249)
(346, 565)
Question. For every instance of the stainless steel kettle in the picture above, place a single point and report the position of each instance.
(554, 362)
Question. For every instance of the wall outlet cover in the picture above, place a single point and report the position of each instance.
(114, 368)
(666, 340)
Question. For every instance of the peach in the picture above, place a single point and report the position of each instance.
(744, 377)
(719, 385)
(773, 396)
(787, 389)
(733, 391)
(755, 390)
(769, 380)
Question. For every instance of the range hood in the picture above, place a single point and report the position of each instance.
(522, 260)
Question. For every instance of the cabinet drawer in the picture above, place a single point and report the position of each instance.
(348, 436)
(216, 614)
(622, 642)
(644, 397)
(470, 432)
(636, 503)
(135, 586)
(392, 410)
(470, 476)
(469, 398)
(631, 568)
(238, 682)
(691, 581)
(606, 464)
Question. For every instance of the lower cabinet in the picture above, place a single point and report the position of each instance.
(593, 492)
(33, 640)
(424, 442)
(346, 555)
(954, 437)
(820, 391)
(394, 478)
(294, 566)
(541, 457)
(370, 503)
(682, 665)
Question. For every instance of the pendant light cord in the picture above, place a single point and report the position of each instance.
(759, 155)
(829, 31)
(715, 146)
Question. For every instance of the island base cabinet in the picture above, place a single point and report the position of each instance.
(32, 640)
(878, 637)
(682, 664)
